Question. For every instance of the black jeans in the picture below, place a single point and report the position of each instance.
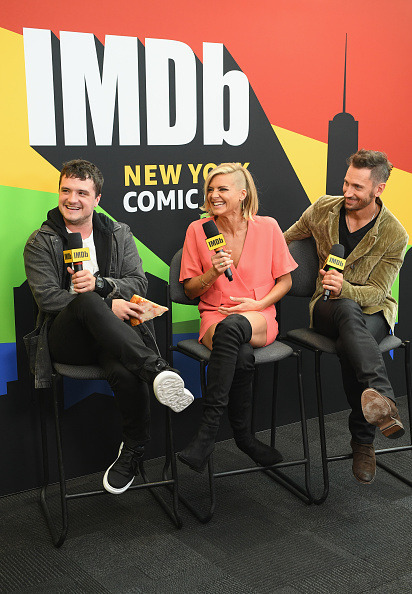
(357, 336)
(88, 332)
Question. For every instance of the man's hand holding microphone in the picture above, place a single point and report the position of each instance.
(332, 272)
(84, 281)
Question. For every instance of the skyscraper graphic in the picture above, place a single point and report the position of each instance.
(342, 142)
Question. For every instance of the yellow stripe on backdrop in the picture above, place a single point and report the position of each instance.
(397, 197)
(20, 165)
(309, 160)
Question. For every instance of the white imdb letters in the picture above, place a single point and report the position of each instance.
(82, 84)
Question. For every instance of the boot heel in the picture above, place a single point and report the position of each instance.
(394, 430)
(197, 453)
(258, 451)
(382, 412)
(188, 463)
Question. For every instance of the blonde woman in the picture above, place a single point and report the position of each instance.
(235, 316)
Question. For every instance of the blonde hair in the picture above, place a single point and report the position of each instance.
(251, 203)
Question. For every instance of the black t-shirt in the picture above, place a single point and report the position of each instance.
(350, 240)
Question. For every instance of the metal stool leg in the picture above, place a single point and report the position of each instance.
(206, 516)
(171, 484)
(322, 433)
(58, 537)
(305, 494)
(406, 345)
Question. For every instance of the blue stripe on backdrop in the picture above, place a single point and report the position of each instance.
(8, 365)
(75, 390)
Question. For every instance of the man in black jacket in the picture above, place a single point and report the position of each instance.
(84, 316)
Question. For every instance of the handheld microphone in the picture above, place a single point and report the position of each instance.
(76, 254)
(215, 241)
(334, 261)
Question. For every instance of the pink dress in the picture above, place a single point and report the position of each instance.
(265, 257)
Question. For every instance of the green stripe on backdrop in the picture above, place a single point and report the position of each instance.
(21, 212)
(395, 289)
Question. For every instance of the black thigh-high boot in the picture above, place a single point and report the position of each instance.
(240, 411)
(229, 335)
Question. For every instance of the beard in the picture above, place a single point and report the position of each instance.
(360, 203)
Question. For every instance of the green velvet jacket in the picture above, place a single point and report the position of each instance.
(371, 268)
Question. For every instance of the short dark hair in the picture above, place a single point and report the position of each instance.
(83, 170)
(376, 161)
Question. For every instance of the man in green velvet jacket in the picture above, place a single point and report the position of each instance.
(360, 310)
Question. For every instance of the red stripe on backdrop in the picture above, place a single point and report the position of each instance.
(291, 50)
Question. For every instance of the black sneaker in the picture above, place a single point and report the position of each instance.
(120, 475)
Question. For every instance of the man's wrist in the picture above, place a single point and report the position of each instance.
(101, 287)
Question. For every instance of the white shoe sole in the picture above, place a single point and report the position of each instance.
(169, 389)
(106, 483)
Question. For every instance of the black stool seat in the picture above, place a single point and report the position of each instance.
(308, 337)
(268, 354)
(80, 372)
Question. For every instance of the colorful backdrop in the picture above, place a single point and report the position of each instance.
(157, 93)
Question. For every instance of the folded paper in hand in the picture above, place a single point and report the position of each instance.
(151, 310)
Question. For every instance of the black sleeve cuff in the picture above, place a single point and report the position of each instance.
(105, 290)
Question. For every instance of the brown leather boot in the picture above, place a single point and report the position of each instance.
(382, 412)
(364, 462)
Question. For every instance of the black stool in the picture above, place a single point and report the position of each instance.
(271, 354)
(94, 372)
(304, 280)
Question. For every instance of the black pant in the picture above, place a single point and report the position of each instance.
(357, 336)
(88, 332)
